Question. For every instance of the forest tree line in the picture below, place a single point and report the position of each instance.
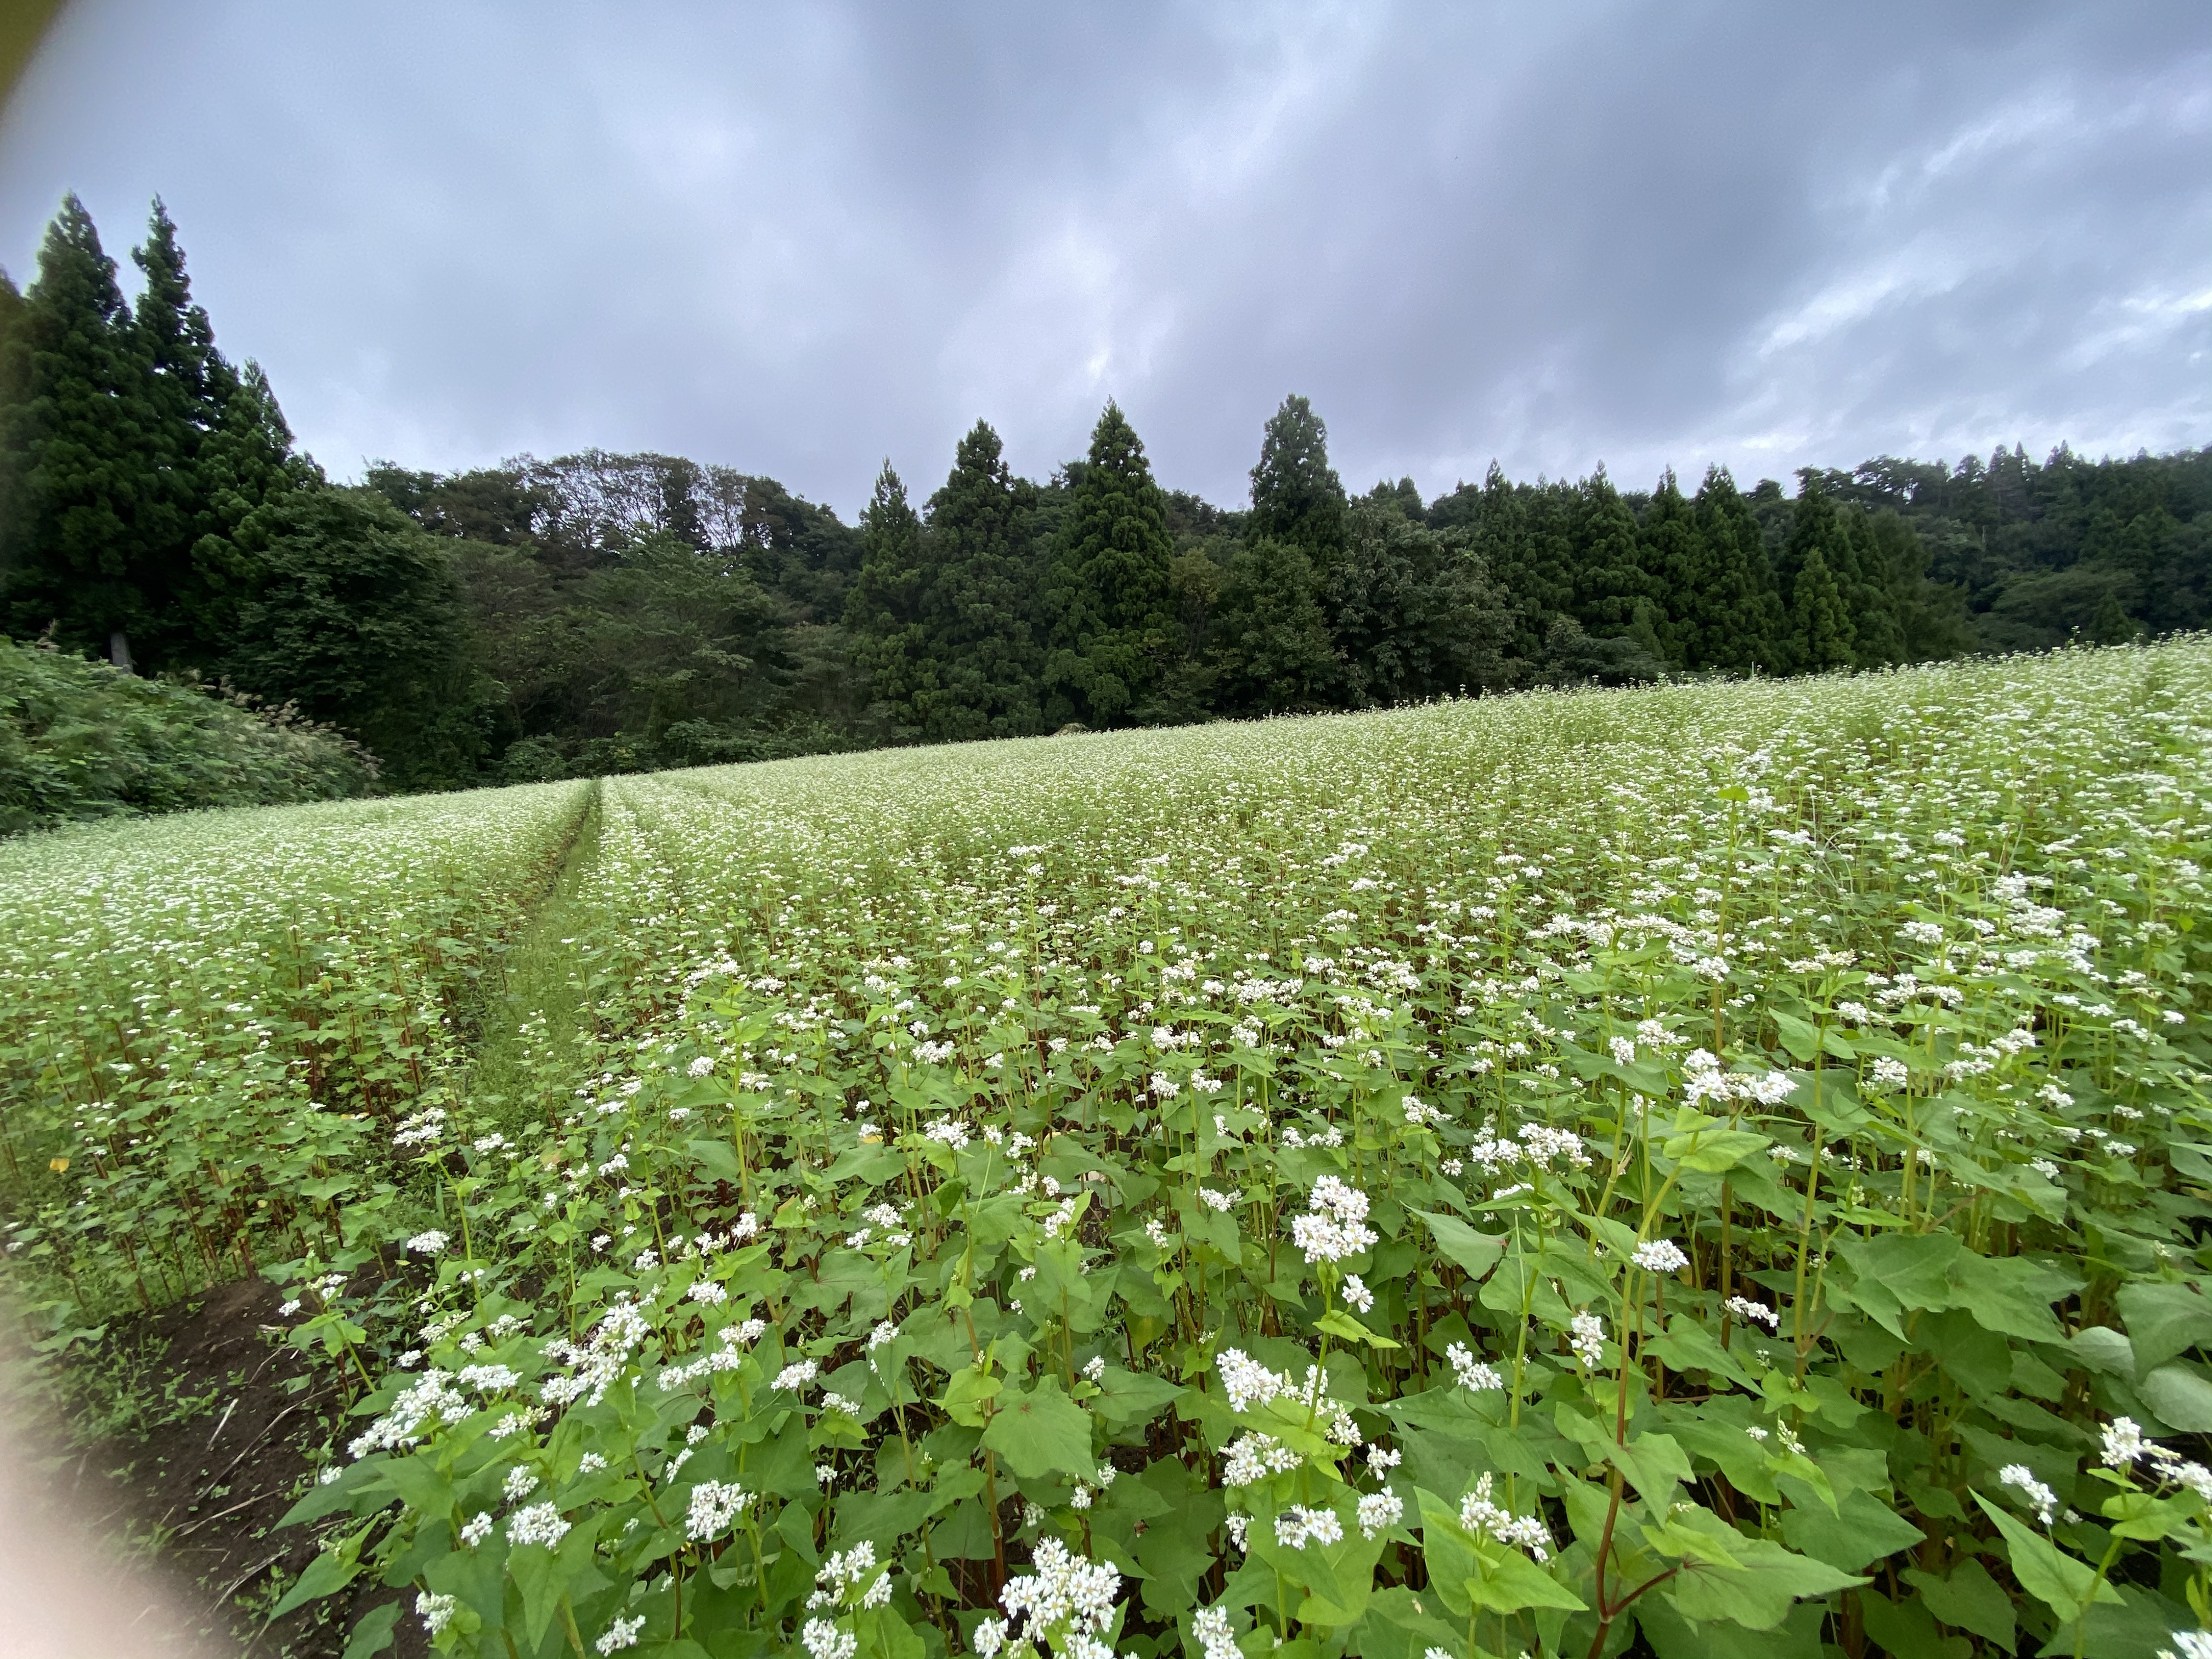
(600, 612)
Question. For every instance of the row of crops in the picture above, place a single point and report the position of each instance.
(205, 1019)
(1712, 1170)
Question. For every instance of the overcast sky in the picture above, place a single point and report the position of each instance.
(800, 239)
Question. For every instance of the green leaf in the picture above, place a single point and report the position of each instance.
(1715, 1150)
(1337, 1322)
(1474, 1252)
(1801, 1037)
(2164, 1320)
(1126, 1396)
(1510, 1581)
(330, 1571)
(965, 1395)
(373, 1634)
(1863, 1528)
(1043, 1432)
(719, 1159)
(2181, 1396)
(1752, 1582)
(2059, 1581)
(1904, 1629)
(2011, 1294)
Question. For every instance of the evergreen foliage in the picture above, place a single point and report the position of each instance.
(89, 554)
(1297, 497)
(980, 600)
(602, 612)
(1113, 626)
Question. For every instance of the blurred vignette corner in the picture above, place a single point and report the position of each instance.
(23, 24)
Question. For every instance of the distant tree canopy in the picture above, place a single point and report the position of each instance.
(600, 612)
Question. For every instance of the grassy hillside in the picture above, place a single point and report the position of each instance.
(80, 741)
(1714, 1167)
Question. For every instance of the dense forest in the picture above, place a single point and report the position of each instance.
(605, 613)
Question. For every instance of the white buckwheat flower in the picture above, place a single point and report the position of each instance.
(2040, 1497)
(1660, 1256)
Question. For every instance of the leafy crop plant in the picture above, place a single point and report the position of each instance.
(1706, 1171)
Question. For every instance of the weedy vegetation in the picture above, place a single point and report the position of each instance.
(1698, 1171)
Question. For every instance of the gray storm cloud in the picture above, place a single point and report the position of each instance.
(798, 239)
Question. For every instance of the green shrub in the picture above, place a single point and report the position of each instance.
(79, 740)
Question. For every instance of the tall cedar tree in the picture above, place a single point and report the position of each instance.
(87, 549)
(1113, 624)
(1738, 615)
(883, 611)
(1272, 650)
(979, 600)
(1609, 577)
(1297, 497)
(1821, 635)
(222, 446)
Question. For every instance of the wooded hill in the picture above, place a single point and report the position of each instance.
(606, 613)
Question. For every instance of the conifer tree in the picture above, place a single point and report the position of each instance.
(246, 462)
(883, 610)
(221, 445)
(1608, 570)
(85, 551)
(1671, 555)
(1273, 652)
(1820, 627)
(1739, 613)
(1114, 621)
(979, 600)
(1297, 497)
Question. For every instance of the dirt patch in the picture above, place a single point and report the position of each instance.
(214, 1430)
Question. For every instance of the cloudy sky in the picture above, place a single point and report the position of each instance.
(800, 239)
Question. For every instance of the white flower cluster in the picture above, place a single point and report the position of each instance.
(2126, 1445)
(1064, 1596)
(948, 1132)
(1299, 1525)
(1215, 1638)
(727, 1356)
(1479, 1516)
(428, 1243)
(1470, 1373)
(1745, 1309)
(623, 1633)
(844, 1578)
(2040, 1497)
(1249, 1383)
(1254, 1456)
(435, 1611)
(1334, 1224)
(1660, 1256)
(432, 1400)
(1379, 1510)
(596, 1361)
(1588, 1338)
(1704, 1079)
(795, 1377)
(540, 1523)
(1539, 1144)
(715, 1507)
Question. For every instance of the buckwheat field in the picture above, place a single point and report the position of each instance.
(1709, 1171)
